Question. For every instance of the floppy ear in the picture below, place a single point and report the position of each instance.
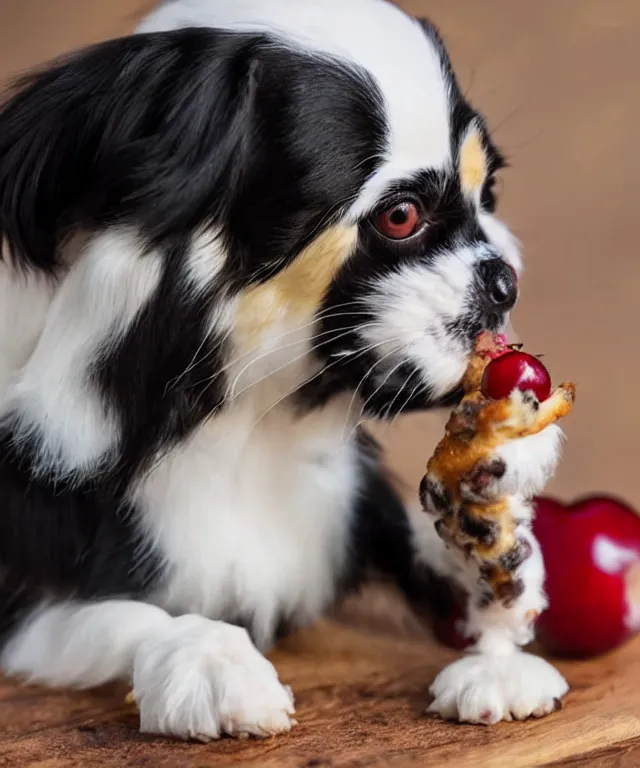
(134, 130)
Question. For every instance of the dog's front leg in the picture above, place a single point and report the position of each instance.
(193, 678)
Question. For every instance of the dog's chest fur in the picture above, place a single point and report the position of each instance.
(251, 515)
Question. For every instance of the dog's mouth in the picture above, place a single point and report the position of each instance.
(487, 343)
(390, 384)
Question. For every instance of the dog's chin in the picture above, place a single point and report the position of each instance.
(406, 389)
(455, 392)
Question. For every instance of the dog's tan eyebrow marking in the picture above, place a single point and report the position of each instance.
(298, 290)
(473, 162)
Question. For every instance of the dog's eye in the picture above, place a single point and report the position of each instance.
(400, 221)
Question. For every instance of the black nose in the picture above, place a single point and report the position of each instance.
(499, 284)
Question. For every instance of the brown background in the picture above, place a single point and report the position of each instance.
(558, 81)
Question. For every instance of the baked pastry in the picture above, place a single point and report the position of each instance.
(463, 475)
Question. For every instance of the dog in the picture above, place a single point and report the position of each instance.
(227, 240)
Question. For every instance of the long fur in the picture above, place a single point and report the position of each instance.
(190, 214)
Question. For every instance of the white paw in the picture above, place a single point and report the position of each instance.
(200, 679)
(486, 689)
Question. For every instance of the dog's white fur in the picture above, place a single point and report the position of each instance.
(95, 304)
(192, 677)
(264, 542)
(485, 689)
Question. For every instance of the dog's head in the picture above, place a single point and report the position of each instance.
(310, 172)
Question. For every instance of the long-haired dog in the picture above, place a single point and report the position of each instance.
(226, 239)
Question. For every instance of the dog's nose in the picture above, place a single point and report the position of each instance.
(499, 283)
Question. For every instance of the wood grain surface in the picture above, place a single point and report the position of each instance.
(361, 696)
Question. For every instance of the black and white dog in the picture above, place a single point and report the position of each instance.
(226, 239)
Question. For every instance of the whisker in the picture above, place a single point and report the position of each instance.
(268, 352)
(387, 411)
(362, 418)
(263, 274)
(296, 358)
(176, 379)
(309, 380)
(173, 383)
(289, 333)
(240, 357)
(385, 380)
(419, 385)
(360, 383)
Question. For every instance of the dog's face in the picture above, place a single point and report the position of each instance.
(373, 180)
(309, 171)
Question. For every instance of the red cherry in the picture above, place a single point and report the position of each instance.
(591, 552)
(515, 370)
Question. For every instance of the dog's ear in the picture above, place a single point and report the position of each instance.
(138, 130)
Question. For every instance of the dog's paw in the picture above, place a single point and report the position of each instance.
(485, 689)
(201, 679)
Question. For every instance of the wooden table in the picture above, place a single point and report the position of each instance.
(361, 694)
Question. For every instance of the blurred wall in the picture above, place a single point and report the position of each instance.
(558, 82)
